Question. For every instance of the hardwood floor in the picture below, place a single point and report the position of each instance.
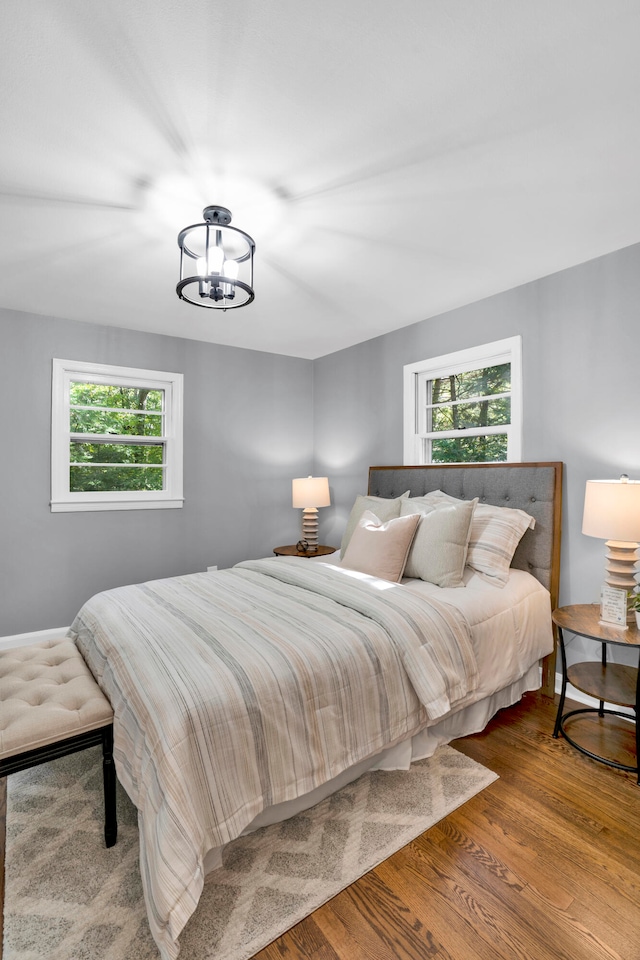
(542, 865)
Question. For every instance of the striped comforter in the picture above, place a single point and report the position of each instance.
(247, 687)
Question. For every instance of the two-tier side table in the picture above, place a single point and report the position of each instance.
(611, 683)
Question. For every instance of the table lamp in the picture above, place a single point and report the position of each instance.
(612, 513)
(309, 493)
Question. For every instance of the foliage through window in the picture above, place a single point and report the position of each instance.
(116, 437)
(465, 407)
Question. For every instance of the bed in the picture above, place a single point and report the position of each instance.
(245, 695)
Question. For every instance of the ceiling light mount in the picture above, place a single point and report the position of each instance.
(216, 262)
(217, 215)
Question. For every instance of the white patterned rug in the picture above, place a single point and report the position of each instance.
(69, 898)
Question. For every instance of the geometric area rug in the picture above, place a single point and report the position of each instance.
(68, 897)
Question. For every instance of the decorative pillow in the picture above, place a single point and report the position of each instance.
(439, 549)
(383, 507)
(381, 549)
(495, 534)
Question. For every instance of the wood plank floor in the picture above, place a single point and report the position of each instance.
(542, 865)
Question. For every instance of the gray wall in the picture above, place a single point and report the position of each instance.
(244, 441)
(581, 349)
(247, 433)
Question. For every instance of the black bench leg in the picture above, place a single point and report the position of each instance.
(109, 776)
(3, 846)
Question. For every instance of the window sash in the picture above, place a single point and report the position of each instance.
(136, 440)
(116, 464)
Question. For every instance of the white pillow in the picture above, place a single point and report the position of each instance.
(383, 507)
(495, 535)
(439, 550)
(381, 549)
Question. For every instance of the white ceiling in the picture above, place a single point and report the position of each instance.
(392, 160)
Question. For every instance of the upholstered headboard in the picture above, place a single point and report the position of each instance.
(533, 487)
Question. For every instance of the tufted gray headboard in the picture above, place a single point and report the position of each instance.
(534, 487)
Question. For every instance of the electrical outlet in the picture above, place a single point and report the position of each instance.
(209, 569)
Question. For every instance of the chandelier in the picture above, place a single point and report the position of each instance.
(216, 262)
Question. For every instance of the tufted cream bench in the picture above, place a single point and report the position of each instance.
(50, 706)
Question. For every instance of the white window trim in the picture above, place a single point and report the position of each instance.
(485, 355)
(65, 501)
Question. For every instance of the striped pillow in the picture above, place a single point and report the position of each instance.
(495, 535)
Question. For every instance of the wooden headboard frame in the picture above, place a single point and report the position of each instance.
(533, 487)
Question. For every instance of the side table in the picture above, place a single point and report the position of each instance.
(613, 683)
(292, 551)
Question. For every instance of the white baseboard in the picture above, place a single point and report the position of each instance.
(37, 636)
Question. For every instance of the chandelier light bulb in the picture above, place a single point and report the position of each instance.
(229, 272)
(230, 269)
(216, 259)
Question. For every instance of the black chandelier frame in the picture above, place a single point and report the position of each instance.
(214, 290)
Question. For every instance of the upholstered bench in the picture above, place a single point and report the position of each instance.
(50, 706)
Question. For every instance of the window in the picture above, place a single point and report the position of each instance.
(465, 407)
(116, 438)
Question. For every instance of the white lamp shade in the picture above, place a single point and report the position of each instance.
(311, 492)
(612, 510)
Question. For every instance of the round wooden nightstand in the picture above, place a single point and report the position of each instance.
(292, 551)
(614, 683)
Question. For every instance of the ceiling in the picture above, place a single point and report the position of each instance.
(391, 160)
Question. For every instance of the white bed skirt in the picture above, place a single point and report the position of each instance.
(462, 723)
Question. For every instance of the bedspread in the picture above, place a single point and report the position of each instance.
(247, 687)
